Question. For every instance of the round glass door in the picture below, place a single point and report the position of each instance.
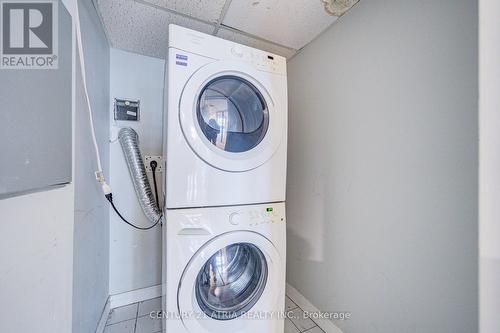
(232, 114)
(231, 281)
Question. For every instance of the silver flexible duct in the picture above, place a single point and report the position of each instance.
(129, 140)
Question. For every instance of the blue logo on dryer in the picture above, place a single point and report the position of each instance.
(181, 59)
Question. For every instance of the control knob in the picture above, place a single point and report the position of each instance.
(237, 51)
(235, 218)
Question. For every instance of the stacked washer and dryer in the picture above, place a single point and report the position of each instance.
(226, 142)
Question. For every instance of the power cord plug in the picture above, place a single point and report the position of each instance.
(153, 164)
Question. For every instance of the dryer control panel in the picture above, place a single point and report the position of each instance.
(263, 61)
(218, 48)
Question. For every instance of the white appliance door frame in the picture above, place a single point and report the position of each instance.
(193, 317)
(201, 146)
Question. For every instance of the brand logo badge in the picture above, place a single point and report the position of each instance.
(29, 34)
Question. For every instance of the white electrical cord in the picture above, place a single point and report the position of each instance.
(99, 173)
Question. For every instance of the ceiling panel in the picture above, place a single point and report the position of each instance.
(278, 26)
(207, 10)
(141, 28)
(292, 23)
(238, 37)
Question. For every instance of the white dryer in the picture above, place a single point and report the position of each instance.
(226, 122)
(225, 269)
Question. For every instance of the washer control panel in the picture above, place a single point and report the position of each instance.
(255, 216)
(195, 222)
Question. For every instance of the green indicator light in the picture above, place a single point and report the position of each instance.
(269, 209)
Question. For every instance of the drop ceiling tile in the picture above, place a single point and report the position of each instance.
(141, 28)
(238, 37)
(292, 23)
(207, 10)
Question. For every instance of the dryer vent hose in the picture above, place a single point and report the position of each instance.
(129, 140)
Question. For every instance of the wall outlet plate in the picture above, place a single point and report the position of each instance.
(158, 159)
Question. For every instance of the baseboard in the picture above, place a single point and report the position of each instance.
(134, 296)
(325, 324)
(104, 317)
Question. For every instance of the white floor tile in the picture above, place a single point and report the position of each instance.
(290, 327)
(127, 326)
(146, 307)
(299, 319)
(122, 313)
(315, 330)
(289, 304)
(146, 324)
(123, 319)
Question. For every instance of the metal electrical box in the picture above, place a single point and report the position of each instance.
(36, 115)
(127, 109)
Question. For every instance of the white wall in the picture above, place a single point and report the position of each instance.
(135, 256)
(91, 231)
(489, 83)
(382, 183)
(36, 256)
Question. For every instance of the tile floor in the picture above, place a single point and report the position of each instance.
(134, 318)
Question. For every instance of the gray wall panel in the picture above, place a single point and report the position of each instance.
(35, 122)
(91, 231)
(382, 209)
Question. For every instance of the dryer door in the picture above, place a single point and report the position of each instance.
(234, 274)
(228, 116)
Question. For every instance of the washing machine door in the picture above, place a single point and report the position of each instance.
(232, 276)
(228, 116)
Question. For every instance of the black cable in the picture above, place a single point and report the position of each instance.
(153, 165)
(109, 197)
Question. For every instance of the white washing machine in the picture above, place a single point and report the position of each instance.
(225, 269)
(226, 122)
